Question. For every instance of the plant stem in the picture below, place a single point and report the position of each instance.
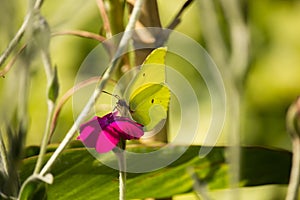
(13, 43)
(212, 33)
(177, 18)
(51, 107)
(47, 179)
(122, 174)
(217, 48)
(115, 14)
(122, 184)
(239, 38)
(114, 63)
(12, 62)
(3, 155)
(45, 138)
(105, 19)
(48, 66)
(121, 156)
(79, 33)
(292, 193)
(293, 128)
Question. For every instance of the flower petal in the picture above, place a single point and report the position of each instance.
(104, 133)
(127, 128)
(89, 132)
(107, 141)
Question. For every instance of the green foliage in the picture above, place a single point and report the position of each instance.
(79, 175)
(54, 87)
(34, 190)
(268, 87)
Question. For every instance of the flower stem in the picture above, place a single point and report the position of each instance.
(3, 156)
(114, 63)
(293, 128)
(121, 156)
(122, 178)
(51, 107)
(292, 193)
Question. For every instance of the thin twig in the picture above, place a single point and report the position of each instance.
(88, 35)
(212, 33)
(177, 18)
(293, 128)
(11, 62)
(38, 4)
(51, 107)
(42, 38)
(84, 34)
(237, 63)
(3, 155)
(13, 43)
(104, 16)
(79, 33)
(174, 23)
(114, 63)
(239, 33)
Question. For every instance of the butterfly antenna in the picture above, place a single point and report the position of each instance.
(120, 104)
(114, 95)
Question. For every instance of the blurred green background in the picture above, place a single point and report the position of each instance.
(271, 84)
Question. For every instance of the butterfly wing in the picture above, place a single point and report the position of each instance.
(152, 71)
(147, 94)
(149, 105)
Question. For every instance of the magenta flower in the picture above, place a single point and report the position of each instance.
(104, 133)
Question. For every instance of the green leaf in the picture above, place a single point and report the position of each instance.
(78, 175)
(54, 87)
(35, 189)
(260, 166)
(266, 192)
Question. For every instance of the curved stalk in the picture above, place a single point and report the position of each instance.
(292, 193)
(51, 107)
(114, 63)
(293, 128)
